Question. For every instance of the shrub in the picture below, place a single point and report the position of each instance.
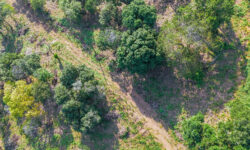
(137, 52)
(41, 91)
(42, 75)
(109, 15)
(37, 4)
(69, 75)
(192, 129)
(72, 9)
(108, 39)
(61, 94)
(137, 14)
(90, 6)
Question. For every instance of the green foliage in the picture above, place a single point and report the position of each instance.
(71, 8)
(37, 4)
(192, 130)
(108, 38)
(81, 101)
(90, 6)
(6, 59)
(21, 68)
(210, 14)
(137, 52)
(18, 97)
(42, 75)
(69, 75)
(109, 15)
(41, 91)
(90, 119)
(137, 14)
(61, 94)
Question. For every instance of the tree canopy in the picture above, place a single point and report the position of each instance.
(137, 14)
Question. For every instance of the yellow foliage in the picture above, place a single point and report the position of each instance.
(20, 100)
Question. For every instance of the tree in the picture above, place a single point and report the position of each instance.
(42, 75)
(72, 111)
(37, 4)
(6, 59)
(41, 91)
(90, 6)
(109, 15)
(137, 52)
(137, 14)
(90, 120)
(21, 68)
(69, 75)
(61, 94)
(192, 129)
(210, 14)
(18, 96)
(72, 9)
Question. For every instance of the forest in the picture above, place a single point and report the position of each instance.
(124, 74)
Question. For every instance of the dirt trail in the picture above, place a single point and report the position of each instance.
(144, 111)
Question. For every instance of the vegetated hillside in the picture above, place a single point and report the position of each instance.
(124, 74)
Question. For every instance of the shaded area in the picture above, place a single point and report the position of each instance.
(167, 95)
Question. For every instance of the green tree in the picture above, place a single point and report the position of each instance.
(72, 9)
(72, 111)
(137, 14)
(61, 94)
(90, 119)
(21, 68)
(192, 130)
(90, 6)
(109, 15)
(6, 59)
(210, 14)
(137, 52)
(18, 96)
(69, 75)
(41, 91)
(42, 75)
(37, 4)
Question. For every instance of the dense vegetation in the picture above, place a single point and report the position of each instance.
(51, 93)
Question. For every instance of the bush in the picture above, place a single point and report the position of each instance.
(90, 120)
(72, 9)
(41, 91)
(90, 6)
(108, 39)
(42, 75)
(137, 14)
(61, 94)
(192, 129)
(37, 4)
(69, 75)
(137, 52)
(109, 15)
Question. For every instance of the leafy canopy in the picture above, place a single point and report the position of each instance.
(18, 96)
(137, 14)
(137, 52)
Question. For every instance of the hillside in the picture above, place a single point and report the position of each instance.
(87, 75)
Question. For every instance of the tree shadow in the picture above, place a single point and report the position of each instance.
(167, 95)
(104, 136)
(40, 17)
